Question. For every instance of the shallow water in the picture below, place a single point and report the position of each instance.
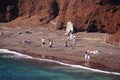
(12, 68)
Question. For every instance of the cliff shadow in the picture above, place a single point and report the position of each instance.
(54, 11)
(8, 10)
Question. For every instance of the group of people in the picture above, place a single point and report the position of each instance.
(72, 43)
(50, 42)
(72, 38)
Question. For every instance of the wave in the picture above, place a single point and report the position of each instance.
(9, 53)
(19, 55)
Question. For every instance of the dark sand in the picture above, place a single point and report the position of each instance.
(108, 59)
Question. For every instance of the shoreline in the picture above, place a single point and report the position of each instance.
(72, 62)
(65, 62)
(107, 60)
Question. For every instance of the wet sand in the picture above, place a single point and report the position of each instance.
(108, 59)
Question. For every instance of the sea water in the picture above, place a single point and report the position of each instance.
(24, 67)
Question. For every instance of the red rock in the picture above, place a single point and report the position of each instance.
(87, 15)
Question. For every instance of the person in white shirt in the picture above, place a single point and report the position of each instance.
(50, 43)
(87, 57)
(43, 41)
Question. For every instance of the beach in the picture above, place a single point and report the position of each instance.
(15, 39)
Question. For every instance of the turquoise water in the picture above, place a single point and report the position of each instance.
(22, 69)
(30, 69)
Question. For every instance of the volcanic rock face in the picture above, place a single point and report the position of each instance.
(43, 10)
(8, 10)
(87, 15)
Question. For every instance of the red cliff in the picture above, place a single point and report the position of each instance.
(87, 15)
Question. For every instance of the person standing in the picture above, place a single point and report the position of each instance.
(86, 56)
(43, 41)
(73, 41)
(70, 35)
(50, 43)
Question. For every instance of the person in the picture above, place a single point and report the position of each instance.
(86, 56)
(50, 43)
(19, 33)
(28, 41)
(28, 32)
(1, 33)
(66, 44)
(70, 34)
(43, 41)
(73, 41)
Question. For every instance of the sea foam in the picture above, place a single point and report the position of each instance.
(19, 55)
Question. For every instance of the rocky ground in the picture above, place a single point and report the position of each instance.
(107, 59)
